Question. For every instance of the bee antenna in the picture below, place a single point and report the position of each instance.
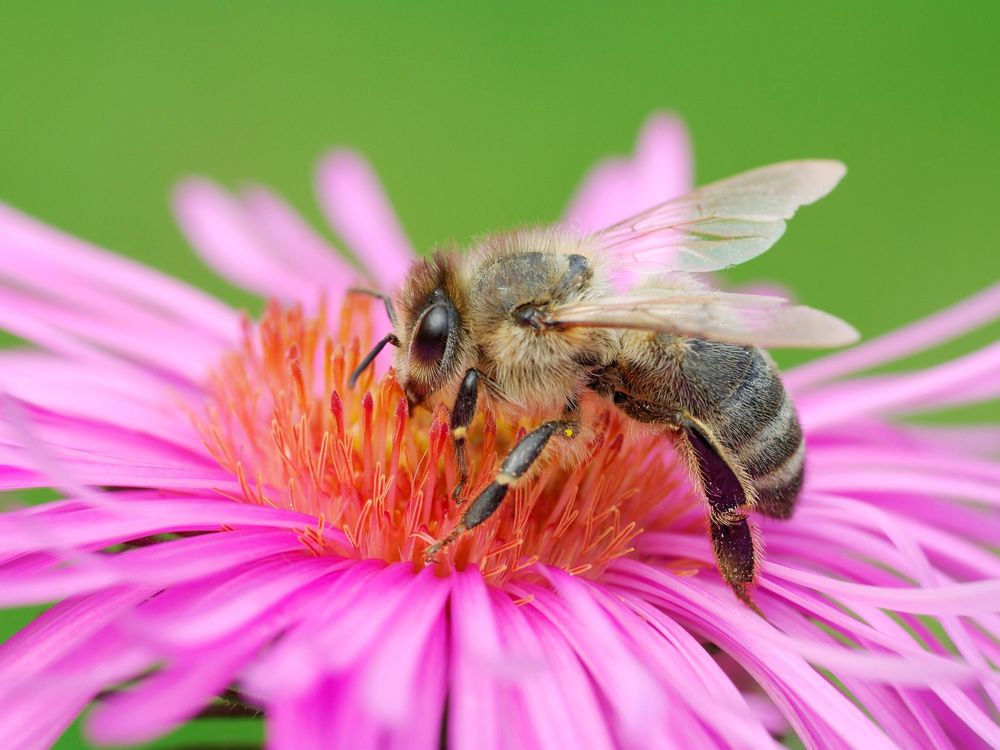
(386, 300)
(370, 357)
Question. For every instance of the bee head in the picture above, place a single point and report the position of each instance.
(429, 329)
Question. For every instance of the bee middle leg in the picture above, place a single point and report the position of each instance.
(520, 459)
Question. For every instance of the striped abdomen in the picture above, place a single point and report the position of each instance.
(736, 393)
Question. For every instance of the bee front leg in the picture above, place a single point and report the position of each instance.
(520, 459)
(462, 414)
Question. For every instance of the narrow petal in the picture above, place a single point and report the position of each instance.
(624, 679)
(360, 701)
(297, 664)
(210, 609)
(390, 678)
(161, 565)
(222, 233)
(133, 515)
(956, 599)
(301, 246)
(357, 208)
(829, 716)
(63, 628)
(40, 254)
(111, 394)
(924, 334)
(661, 169)
(37, 710)
(303, 722)
(545, 713)
(167, 349)
(971, 378)
(475, 710)
(177, 691)
(96, 453)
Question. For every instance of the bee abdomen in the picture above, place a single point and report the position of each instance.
(763, 434)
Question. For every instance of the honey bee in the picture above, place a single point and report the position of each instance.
(530, 321)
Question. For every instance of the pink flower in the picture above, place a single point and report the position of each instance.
(266, 528)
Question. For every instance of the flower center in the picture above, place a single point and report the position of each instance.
(281, 417)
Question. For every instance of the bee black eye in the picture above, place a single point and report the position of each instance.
(431, 338)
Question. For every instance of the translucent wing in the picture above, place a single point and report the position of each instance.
(721, 224)
(768, 322)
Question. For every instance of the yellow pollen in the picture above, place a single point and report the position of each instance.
(281, 417)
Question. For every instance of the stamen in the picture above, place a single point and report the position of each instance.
(280, 410)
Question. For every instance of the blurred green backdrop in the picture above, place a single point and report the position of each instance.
(480, 118)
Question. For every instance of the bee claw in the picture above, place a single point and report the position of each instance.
(456, 494)
(441, 544)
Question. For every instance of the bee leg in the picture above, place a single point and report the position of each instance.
(520, 459)
(462, 414)
(733, 540)
(734, 544)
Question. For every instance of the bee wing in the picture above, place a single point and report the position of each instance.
(749, 319)
(719, 225)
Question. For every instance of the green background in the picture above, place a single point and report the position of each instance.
(480, 118)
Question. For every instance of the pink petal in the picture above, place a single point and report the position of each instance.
(161, 565)
(305, 722)
(168, 349)
(97, 394)
(360, 701)
(38, 709)
(297, 664)
(474, 718)
(956, 599)
(178, 691)
(63, 628)
(925, 390)
(209, 609)
(64, 451)
(618, 188)
(40, 254)
(133, 516)
(828, 719)
(681, 662)
(544, 718)
(391, 676)
(429, 700)
(626, 681)
(301, 246)
(924, 334)
(226, 238)
(357, 208)
(571, 687)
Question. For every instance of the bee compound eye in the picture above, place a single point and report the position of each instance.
(431, 338)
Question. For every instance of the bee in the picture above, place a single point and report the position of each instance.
(529, 322)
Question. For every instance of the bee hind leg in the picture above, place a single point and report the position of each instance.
(734, 541)
(735, 548)
(520, 459)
